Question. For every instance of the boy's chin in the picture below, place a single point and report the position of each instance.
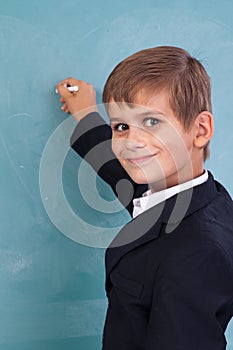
(139, 180)
(159, 183)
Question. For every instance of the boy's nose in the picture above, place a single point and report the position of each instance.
(136, 138)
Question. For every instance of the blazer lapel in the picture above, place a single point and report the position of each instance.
(140, 230)
(147, 226)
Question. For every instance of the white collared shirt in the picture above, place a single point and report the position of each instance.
(150, 199)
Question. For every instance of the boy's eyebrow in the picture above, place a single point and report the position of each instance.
(119, 120)
(144, 114)
(152, 113)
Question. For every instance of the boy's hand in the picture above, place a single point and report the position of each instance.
(78, 103)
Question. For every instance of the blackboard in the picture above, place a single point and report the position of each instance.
(51, 282)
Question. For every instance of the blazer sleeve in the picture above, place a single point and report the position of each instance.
(91, 139)
(192, 302)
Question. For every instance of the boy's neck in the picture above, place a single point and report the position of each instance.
(174, 180)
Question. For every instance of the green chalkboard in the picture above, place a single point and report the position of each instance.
(51, 275)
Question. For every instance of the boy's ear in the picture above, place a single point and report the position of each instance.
(204, 125)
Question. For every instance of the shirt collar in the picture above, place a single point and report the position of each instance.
(150, 199)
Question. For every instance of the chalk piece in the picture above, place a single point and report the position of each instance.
(73, 88)
(70, 88)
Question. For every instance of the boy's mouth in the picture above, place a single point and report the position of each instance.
(141, 160)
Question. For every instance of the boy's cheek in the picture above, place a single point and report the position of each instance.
(117, 147)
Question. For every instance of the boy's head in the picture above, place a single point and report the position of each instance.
(159, 104)
(163, 68)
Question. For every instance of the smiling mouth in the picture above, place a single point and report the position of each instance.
(141, 160)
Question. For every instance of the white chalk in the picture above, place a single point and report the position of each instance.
(73, 88)
(70, 88)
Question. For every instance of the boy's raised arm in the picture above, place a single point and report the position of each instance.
(91, 139)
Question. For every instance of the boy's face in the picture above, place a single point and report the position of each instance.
(150, 143)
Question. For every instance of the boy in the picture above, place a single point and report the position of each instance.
(169, 272)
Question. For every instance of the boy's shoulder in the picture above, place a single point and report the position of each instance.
(208, 221)
(216, 219)
(220, 208)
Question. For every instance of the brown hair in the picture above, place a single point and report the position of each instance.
(163, 67)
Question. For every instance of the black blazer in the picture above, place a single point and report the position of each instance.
(169, 272)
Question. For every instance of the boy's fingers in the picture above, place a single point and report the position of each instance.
(65, 108)
(71, 81)
(63, 91)
(61, 87)
(75, 101)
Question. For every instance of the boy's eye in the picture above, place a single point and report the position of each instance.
(150, 122)
(120, 127)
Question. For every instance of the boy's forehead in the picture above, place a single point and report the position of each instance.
(128, 110)
(143, 104)
(148, 96)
